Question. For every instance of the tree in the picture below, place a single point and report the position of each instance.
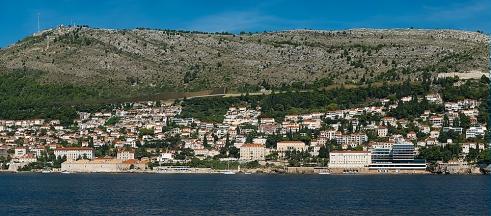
(205, 142)
(234, 152)
(465, 121)
(324, 151)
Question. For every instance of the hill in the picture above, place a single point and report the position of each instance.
(191, 61)
(78, 65)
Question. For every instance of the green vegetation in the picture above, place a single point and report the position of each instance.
(436, 153)
(112, 121)
(278, 105)
(296, 102)
(451, 152)
(23, 97)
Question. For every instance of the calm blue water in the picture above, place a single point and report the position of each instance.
(153, 194)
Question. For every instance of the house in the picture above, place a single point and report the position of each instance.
(165, 156)
(205, 152)
(434, 134)
(267, 121)
(382, 131)
(436, 121)
(431, 141)
(312, 124)
(434, 98)
(26, 158)
(4, 151)
(458, 130)
(20, 151)
(411, 135)
(474, 132)
(467, 146)
(406, 99)
(252, 151)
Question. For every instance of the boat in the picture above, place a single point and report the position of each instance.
(324, 173)
(46, 171)
(229, 172)
(65, 172)
(247, 173)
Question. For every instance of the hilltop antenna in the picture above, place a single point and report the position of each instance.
(38, 22)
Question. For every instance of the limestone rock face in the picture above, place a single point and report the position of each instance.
(197, 61)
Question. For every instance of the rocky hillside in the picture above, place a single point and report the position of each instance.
(190, 61)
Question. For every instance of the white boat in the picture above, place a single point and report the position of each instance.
(46, 171)
(229, 172)
(324, 173)
(247, 173)
(65, 172)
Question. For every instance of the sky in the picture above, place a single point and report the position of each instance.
(18, 18)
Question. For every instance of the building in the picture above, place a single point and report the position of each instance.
(102, 165)
(165, 157)
(356, 139)
(252, 151)
(403, 152)
(474, 131)
(27, 158)
(436, 120)
(349, 159)
(125, 154)
(466, 147)
(4, 152)
(411, 135)
(458, 130)
(74, 153)
(20, 151)
(398, 157)
(382, 131)
(284, 146)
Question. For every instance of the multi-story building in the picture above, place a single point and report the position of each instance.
(252, 151)
(125, 154)
(399, 156)
(19, 151)
(436, 120)
(474, 131)
(284, 146)
(74, 153)
(349, 159)
(358, 139)
(403, 152)
(382, 131)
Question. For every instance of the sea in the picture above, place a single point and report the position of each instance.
(255, 194)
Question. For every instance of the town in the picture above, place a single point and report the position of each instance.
(153, 137)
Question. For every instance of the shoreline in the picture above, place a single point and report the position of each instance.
(220, 172)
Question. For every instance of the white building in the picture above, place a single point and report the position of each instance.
(20, 151)
(349, 159)
(74, 153)
(125, 154)
(165, 156)
(284, 146)
(252, 151)
(467, 146)
(382, 131)
(474, 131)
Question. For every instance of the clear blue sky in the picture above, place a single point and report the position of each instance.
(18, 18)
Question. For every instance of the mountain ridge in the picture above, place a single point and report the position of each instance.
(169, 60)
